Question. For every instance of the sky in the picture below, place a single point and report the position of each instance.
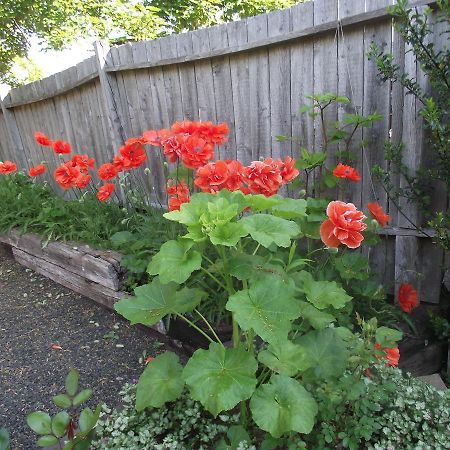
(55, 61)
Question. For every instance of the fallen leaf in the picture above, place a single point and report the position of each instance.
(56, 347)
(149, 360)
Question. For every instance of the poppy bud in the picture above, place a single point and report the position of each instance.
(302, 193)
(147, 171)
(333, 250)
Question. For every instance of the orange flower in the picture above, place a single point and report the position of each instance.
(196, 151)
(107, 171)
(343, 226)
(105, 192)
(7, 167)
(42, 139)
(178, 194)
(264, 177)
(392, 356)
(83, 161)
(66, 175)
(288, 170)
(62, 147)
(348, 172)
(378, 214)
(133, 153)
(37, 170)
(219, 175)
(407, 297)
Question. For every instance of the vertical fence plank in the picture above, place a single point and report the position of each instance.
(218, 39)
(13, 132)
(302, 76)
(280, 83)
(237, 35)
(259, 90)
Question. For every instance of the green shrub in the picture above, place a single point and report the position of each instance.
(180, 425)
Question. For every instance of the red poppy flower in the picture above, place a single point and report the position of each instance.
(66, 175)
(407, 297)
(42, 139)
(392, 356)
(62, 147)
(83, 161)
(118, 162)
(83, 180)
(264, 177)
(105, 192)
(107, 171)
(343, 226)
(172, 147)
(288, 170)
(7, 167)
(178, 194)
(155, 137)
(133, 153)
(219, 175)
(37, 170)
(378, 214)
(348, 172)
(211, 133)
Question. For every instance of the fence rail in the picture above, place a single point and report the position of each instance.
(253, 74)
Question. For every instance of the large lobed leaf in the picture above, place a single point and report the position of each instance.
(219, 378)
(155, 300)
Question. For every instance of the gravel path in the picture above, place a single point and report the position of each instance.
(36, 314)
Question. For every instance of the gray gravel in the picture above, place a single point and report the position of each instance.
(37, 313)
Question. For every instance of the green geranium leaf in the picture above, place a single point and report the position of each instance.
(235, 197)
(290, 208)
(121, 238)
(189, 213)
(40, 422)
(268, 307)
(62, 401)
(259, 202)
(242, 266)
(267, 229)
(219, 378)
(285, 358)
(59, 424)
(72, 382)
(387, 336)
(327, 351)
(47, 441)
(228, 234)
(317, 319)
(175, 261)
(323, 294)
(352, 266)
(282, 406)
(160, 382)
(155, 300)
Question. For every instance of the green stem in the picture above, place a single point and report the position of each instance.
(214, 278)
(236, 340)
(209, 326)
(192, 324)
(256, 249)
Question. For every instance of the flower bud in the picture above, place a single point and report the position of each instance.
(302, 193)
(333, 250)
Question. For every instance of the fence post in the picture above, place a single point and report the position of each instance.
(14, 134)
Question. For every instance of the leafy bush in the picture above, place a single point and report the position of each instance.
(182, 424)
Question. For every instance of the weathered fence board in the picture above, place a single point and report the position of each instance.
(253, 74)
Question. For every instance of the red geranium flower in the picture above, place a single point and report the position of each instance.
(7, 167)
(107, 171)
(378, 214)
(133, 153)
(196, 152)
(66, 175)
(42, 139)
(288, 170)
(213, 177)
(62, 147)
(178, 194)
(392, 356)
(407, 297)
(264, 177)
(343, 226)
(37, 170)
(105, 192)
(84, 162)
(348, 172)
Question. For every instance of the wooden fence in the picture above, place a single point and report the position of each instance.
(254, 74)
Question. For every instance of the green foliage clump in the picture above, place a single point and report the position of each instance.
(389, 410)
(180, 425)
